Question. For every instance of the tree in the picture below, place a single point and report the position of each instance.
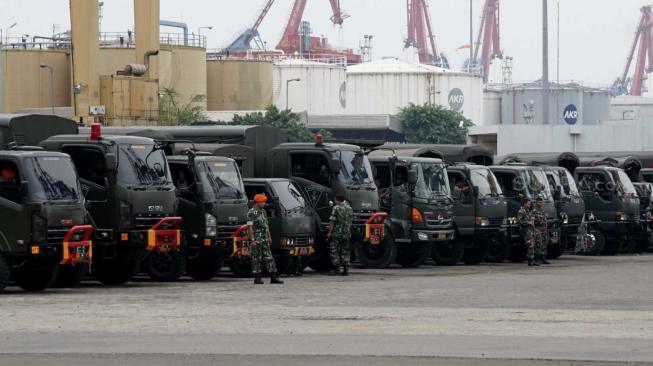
(433, 124)
(285, 120)
(172, 113)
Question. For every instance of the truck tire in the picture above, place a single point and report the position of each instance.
(71, 276)
(115, 272)
(628, 246)
(36, 275)
(642, 245)
(5, 272)
(448, 253)
(599, 245)
(499, 249)
(610, 247)
(413, 255)
(203, 269)
(240, 267)
(555, 251)
(320, 263)
(165, 267)
(377, 256)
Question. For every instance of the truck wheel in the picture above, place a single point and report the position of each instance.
(555, 251)
(240, 267)
(71, 276)
(5, 272)
(165, 267)
(282, 264)
(115, 272)
(610, 247)
(413, 255)
(36, 275)
(642, 245)
(628, 246)
(377, 256)
(599, 244)
(475, 254)
(448, 253)
(499, 249)
(320, 263)
(202, 269)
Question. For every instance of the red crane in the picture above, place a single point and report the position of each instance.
(243, 41)
(420, 30)
(292, 42)
(489, 33)
(644, 63)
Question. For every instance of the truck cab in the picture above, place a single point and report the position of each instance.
(323, 170)
(569, 206)
(517, 182)
(43, 221)
(293, 224)
(479, 211)
(647, 175)
(414, 192)
(609, 193)
(213, 208)
(132, 199)
(645, 193)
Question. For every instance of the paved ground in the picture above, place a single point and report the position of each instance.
(579, 309)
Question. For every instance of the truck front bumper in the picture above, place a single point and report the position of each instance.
(418, 235)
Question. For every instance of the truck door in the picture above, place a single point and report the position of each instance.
(595, 188)
(189, 201)
(508, 181)
(311, 172)
(14, 218)
(400, 197)
(463, 199)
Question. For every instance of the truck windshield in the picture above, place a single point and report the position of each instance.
(52, 178)
(485, 181)
(355, 168)
(567, 182)
(142, 164)
(221, 180)
(432, 180)
(623, 185)
(289, 196)
(538, 184)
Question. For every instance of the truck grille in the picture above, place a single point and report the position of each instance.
(147, 221)
(496, 221)
(56, 235)
(575, 220)
(301, 241)
(438, 221)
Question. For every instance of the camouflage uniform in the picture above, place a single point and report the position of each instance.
(258, 220)
(342, 215)
(524, 216)
(541, 232)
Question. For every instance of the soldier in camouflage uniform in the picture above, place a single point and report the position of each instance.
(541, 231)
(260, 239)
(339, 235)
(526, 230)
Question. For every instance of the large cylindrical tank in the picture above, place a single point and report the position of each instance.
(183, 68)
(24, 84)
(238, 85)
(385, 86)
(320, 89)
(491, 107)
(113, 59)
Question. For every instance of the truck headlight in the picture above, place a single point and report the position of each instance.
(564, 218)
(211, 231)
(482, 221)
(39, 229)
(211, 225)
(125, 214)
(422, 236)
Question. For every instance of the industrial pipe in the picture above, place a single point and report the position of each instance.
(184, 26)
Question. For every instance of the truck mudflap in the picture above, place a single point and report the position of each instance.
(77, 245)
(165, 235)
(374, 228)
(240, 242)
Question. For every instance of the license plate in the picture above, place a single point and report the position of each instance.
(375, 241)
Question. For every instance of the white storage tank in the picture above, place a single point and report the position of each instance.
(385, 86)
(319, 90)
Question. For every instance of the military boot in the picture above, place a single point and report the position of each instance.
(258, 280)
(345, 270)
(335, 271)
(274, 279)
(532, 263)
(543, 260)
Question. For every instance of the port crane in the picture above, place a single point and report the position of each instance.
(634, 85)
(420, 34)
(488, 40)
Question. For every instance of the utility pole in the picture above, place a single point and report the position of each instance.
(471, 35)
(51, 70)
(545, 62)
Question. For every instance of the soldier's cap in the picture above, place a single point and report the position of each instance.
(259, 198)
(539, 198)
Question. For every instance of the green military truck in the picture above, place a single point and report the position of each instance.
(43, 229)
(213, 206)
(126, 180)
(292, 221)
(414, 192)
(480, 211)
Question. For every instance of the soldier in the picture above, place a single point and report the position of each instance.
(339, 235)
(526, 230)
(260, 239)
(541, 231)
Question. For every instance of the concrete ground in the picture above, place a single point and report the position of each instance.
(578, 311)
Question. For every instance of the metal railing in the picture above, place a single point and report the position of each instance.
(274, 56)
(106, 39)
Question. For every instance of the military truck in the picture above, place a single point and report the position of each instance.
(323, 170)
(519, 181)
(43, 229)
(126, 180)
(213, 206)
(414, 192)
(609, 193)
(293, 224)
(480, 212)
(451, 154)
(645, 194)
(647, 175)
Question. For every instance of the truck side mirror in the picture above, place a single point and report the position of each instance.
(412, 175)
(335, 166)
(111, 161)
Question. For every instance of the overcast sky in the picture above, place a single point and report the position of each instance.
(595, 34)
